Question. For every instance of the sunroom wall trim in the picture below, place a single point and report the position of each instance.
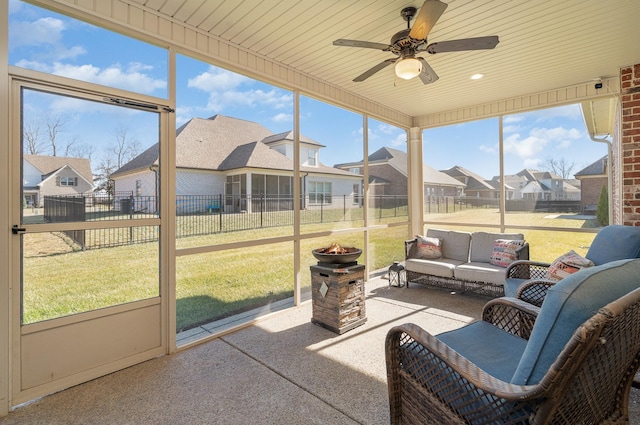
(526, 103)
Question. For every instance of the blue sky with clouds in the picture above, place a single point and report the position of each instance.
(48, 42)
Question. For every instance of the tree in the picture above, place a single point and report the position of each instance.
(31, 138)
(561, 167)
(102, 177)
(602, 212)
(119, 153)
(54, 126)
(124, 149)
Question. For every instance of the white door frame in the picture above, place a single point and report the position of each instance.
(52, 355)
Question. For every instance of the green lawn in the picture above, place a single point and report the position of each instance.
(59, 281)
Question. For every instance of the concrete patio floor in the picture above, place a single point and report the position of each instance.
(282, 370)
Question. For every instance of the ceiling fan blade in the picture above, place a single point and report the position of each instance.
(358, 43)
(478, 43)
(373, 70)
(429, 14)
(428, 75)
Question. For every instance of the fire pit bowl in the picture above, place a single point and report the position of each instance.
(336, 254)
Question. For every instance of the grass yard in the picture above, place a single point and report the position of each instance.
(544, 245)
(59, 281)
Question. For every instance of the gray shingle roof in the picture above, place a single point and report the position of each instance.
(288, 136)
(596, 168)
(50, 164)
(398, 159)
(474, 182)
(225, 143)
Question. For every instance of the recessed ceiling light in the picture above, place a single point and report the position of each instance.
(477, 76)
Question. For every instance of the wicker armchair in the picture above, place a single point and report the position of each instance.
(527, 279)
(488, 372)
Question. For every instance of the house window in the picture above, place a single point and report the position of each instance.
(68, 181)
(319, 193)
(354, 170)
(356, 194)
(311, 157)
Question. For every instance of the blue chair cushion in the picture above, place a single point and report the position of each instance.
(568, 304)
(490, 348)
(511, 285)
(615, 242)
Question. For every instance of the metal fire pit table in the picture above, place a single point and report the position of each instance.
(338, 296)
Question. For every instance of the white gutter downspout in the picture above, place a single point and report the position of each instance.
(609, 176)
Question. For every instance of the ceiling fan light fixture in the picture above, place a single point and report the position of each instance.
(408, 68)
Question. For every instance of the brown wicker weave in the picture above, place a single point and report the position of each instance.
(589, 382)
(535, 288)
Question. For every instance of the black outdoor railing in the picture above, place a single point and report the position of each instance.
(198, 215)
(451, 204)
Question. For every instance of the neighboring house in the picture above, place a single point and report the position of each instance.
(515, 183)
(593, 177)
(508, 190)
(55, 176)
(388, 171)
(548, 186)
(475, 185)
(239, 163)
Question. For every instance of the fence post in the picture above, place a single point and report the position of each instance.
(261, 209)
(220, 199)
(344, 207)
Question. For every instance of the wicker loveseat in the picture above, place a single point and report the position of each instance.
(465, 262)
(526, 279)
(572, 361)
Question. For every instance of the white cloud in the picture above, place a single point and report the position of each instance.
(513, 118)
(493, 150)
(226, 88)
(524, 148)
(113, 76)
(511, 128)
(43, 32)
(538, 139)
(399, 140)
(282, 117)
(532, 163)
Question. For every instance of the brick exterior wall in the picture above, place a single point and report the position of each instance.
(397, 181)
(591, 188)
(630, 144)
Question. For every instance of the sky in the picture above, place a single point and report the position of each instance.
(44, 41)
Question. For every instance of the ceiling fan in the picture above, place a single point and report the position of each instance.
(407, 43)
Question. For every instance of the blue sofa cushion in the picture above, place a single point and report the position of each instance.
(568, 304)
(490, 348)
(615, 242)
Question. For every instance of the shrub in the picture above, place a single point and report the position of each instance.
(602, 212)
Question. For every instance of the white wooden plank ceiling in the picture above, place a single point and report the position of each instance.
(544, 44)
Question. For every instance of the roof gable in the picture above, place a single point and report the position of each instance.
(48, 165)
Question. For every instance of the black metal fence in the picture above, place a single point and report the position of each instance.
(451, 204)
(198, 215)
(64, 209)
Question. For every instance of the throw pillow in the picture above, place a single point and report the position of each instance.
(567, 264)
(505, 252)
(428, 248)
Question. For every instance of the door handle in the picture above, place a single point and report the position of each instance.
(17, 230)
